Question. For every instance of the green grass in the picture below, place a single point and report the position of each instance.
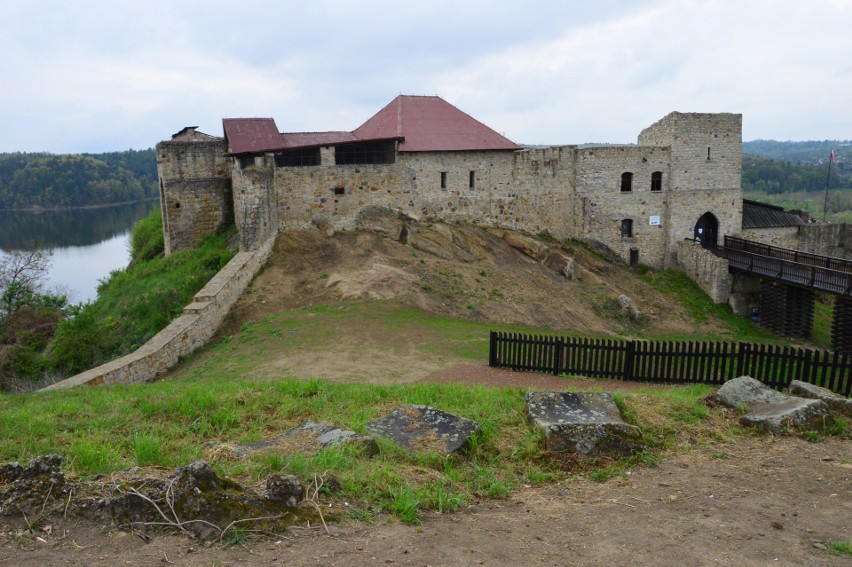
(133, 305)
(699, 306)
(100, 430)
(840, 547)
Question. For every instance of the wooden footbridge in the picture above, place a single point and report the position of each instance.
(789, 280)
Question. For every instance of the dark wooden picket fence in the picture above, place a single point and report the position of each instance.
(674, 362)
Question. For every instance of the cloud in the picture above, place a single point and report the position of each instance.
(85, 78)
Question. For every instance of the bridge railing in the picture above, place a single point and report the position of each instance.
(823, 279)
(795, 256)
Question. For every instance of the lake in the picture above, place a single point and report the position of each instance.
(87, 244)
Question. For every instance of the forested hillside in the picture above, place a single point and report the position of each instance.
(793, 167)
(69, 180)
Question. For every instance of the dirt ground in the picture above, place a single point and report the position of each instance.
(758, 500)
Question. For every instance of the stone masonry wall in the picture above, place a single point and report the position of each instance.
(606, 206)
(197, 324)
(255, 202)
(709, 271)
(566, 191)
(826, 239)
(195, 191)
(782, 236)
(706, 171)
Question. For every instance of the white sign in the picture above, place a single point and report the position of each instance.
(654, 220)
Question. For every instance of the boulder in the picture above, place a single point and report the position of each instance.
(745, 391)
(529, 246)
(585, 423)
(286, 489)
(629, 308)
(426, 429)
(561, 264)
(770, 410)
(836, 403)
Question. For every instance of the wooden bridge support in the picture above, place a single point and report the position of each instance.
(841, 325)
(786, 310)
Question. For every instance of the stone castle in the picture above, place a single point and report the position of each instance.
(424, 158)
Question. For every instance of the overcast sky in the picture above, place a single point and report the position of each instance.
(92, 76)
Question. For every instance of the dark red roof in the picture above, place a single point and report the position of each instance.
(251, 135)
(310, 139)
(431, 124)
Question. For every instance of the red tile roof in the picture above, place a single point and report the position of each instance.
(251, 135)
(431, 124)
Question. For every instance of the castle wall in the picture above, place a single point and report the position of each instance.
(195, 191)
(566, 191)
(255, 201)
(709, 271)
(706, 172)
(826, 239)
(605, 206)
(782, 236)
(184, 335)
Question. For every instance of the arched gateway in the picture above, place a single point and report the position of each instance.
(707, 230)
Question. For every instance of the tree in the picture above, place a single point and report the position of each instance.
(22, 275)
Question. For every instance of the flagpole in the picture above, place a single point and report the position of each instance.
(827, 178)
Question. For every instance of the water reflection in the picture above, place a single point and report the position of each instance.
(57, 229)
(87, 244)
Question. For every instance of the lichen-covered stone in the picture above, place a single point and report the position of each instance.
(794, 413)
(423, 428)
(745, 391)
(285, 488)
(585, 423)
(31, 486)
(768, 409)
(836, 403)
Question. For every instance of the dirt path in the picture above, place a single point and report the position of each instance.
(761, 501)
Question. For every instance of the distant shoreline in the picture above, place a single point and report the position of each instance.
(39, 209)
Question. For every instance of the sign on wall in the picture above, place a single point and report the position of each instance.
(654, 220)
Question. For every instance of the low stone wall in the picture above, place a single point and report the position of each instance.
(197, 324)
(706, 269)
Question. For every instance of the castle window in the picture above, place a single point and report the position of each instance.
(627, 228)
(626, 182)
(339, 190)
(365, 153)
(657, 181)
(472, 181)
(298, 158)
(443, 180)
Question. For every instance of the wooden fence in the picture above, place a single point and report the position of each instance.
(673, 362)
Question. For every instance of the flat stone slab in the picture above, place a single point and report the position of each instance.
(836, 402)
(795, 413)
(770, 410)
(426, 429)
(586, 423)
(309, 437)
